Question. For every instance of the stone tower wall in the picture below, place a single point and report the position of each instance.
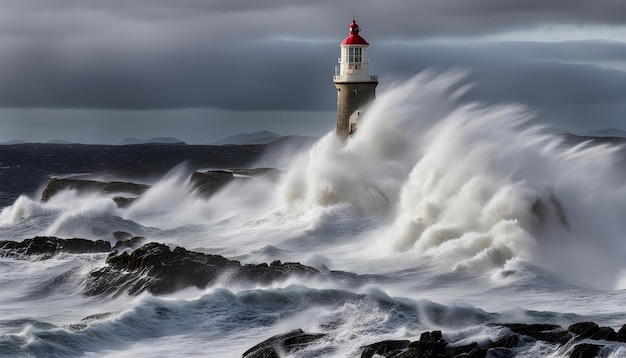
(350, 98)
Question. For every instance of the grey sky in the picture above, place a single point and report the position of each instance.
(101, 71)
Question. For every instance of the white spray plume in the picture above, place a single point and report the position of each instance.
(470, 186)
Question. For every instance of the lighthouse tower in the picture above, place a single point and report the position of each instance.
(355, 86)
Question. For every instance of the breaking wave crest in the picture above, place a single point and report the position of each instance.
(470, 186)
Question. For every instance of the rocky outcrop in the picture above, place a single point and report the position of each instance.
(204, 183)
(45, 247)
(585, 350)
(160, 270)
(621, 334)
(132, 242)
(210, 182)
(389, 347)
(84, 186)
(577, 340)
(541, 332)
(289, 343)
(591, 330)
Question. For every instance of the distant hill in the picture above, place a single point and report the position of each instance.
(11, 142)
(609, 132)
(262, 137)
(58, 141)
(160, 140)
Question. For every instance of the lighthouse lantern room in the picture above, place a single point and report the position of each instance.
(355, 86)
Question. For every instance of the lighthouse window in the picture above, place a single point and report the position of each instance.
(354, 54)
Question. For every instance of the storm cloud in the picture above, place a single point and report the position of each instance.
(279, 55)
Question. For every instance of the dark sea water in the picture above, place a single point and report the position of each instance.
(26, 168)
(461, 216)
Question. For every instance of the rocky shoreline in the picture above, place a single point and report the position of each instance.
(203, 183)
(579, 340)
(133, 266)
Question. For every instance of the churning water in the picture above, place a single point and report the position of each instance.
(459, 214)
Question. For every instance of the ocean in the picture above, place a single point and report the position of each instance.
(455, 216)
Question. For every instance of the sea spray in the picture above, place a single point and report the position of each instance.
(368, 171)
(470, 186)
(455, 216)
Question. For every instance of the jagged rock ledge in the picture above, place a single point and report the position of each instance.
(579, 340)
(203, 183)
(159, 269)
(83, 186)
(289, 343)
(210, 182)
(156, 268)
(44, 247)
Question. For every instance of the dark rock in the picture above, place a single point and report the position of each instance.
(46, 247)
(456, 351)
(434, 336)
(501, 353)
(507, 341)
(160, 270)
(122, 235)
(130, 243)
(474, 353)
(289, 342)
(209, 183)
(585, 350)
(605, 334)
(123, 202)
(83, 246)
(259, 172)
(582, 330)
(384, 348)
(542, 332)
(430, 345)
(82, 186)
(296, 343)
(275, 263)
(621, 334)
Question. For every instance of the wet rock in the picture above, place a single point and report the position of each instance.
(123, 202)
(461, 350)
(83, 186)
(288, 342)
(122, 235)
(542, 332)
(160, 270)
(430, 345)
(385, 348)
(621, 334)
(582, 330)
(46, 246)
(507, 341)
(477, 353)
(270, 173)
(501, 353)
(129, 243)
(605, 334)
(209, 183)
(585, 350)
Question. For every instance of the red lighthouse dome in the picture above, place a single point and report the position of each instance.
(354, 38)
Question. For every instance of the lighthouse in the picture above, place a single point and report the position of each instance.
(355, 86)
